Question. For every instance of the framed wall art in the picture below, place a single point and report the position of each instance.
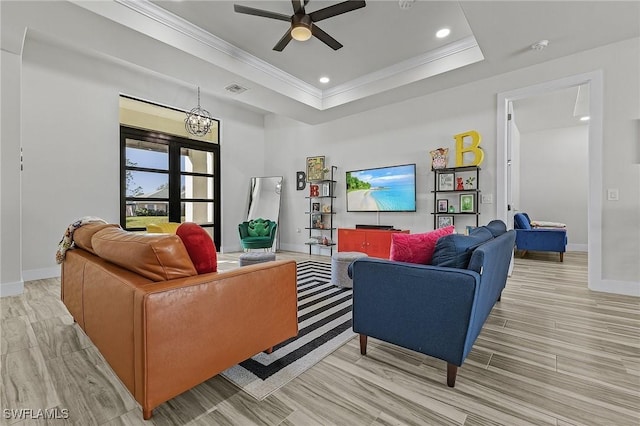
(315, 168)
(443, 206)
(444, 221)
(445, 181)
(467, 203)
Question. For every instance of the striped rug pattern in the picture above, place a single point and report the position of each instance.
(324, 323)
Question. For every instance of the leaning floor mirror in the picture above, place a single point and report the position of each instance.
(264, 200)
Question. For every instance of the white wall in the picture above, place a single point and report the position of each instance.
(554, 179)
(516, 169)
(398, 134)
(407, 131)
(11, 282)
(71, 145)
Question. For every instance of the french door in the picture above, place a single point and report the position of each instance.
(167, 178)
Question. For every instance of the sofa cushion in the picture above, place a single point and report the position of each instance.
(521, 221)
(158, 257)
(162, 228)
(82, 236)
(497, 227)
(455, 250)
(200, 247)
(259, 227)
(416, 248)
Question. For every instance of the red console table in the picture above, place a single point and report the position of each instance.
(373, 242)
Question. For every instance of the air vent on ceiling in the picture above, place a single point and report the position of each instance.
(405, 4)
(235, 88)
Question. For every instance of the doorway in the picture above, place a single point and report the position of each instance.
(593, 81)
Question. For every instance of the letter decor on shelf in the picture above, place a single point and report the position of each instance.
(314, 190)
(301, 178)
(473, 148)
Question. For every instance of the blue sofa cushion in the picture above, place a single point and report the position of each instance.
(521, 221)
(454, 251)
(497, 228)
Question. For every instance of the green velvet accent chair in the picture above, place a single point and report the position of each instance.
(257, 233)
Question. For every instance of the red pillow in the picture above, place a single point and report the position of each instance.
(416, 248)
(200, 247)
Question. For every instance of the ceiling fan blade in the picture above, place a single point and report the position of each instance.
(298, 7)
(325, 38)
(336, 9)
(259, 12)
(286, 38)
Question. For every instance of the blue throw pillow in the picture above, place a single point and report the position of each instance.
(454, 251)
(497, 228)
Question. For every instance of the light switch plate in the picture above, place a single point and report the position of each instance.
(612, 195)
(487, 198)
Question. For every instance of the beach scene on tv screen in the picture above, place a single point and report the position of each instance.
(383, 189)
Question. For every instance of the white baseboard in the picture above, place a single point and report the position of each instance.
(578, 247)
(11, 289)
(628, 288)
(40, 274)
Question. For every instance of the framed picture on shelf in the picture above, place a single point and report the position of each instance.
(316, 221)
(326, 190)
(445, 181)
(315, 168)
(315, 207)
(443, 206)
(326, 208)
(467, 203)
(444, 221)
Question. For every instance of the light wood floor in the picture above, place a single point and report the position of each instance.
(551, 353)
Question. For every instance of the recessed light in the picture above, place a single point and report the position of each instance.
(442, 33)
(585, 118)
(324, 80)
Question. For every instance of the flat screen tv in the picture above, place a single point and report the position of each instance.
(383, 189)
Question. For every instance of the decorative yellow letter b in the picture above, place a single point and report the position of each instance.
(474, 148)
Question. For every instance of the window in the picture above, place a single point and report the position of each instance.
(168, 178)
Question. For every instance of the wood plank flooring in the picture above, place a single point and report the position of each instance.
(551, 353)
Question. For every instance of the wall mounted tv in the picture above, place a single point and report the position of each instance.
(383, 189)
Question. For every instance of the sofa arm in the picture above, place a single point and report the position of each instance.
(190, 329)
(420, 307)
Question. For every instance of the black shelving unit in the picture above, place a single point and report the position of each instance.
(321, 226)
(444, 188)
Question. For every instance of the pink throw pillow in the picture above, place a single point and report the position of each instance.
(200, 247)
(416, 248)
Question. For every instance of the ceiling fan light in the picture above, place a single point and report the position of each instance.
(301, 32)
(301, 27)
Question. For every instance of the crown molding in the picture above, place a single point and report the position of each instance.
(176, 23)
(154, 21)
(428, 58)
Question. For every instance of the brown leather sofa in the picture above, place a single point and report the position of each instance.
(163, 328)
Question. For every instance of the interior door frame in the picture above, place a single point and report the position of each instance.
(594, 80)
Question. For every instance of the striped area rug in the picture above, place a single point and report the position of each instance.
(324, 323)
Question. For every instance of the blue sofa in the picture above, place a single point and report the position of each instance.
(435, 310)
(538, 239)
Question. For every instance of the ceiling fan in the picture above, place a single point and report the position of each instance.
(303, 24)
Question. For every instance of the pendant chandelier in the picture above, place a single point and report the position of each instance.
(198, 121)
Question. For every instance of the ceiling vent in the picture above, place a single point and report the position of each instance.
(540, 45)
(235, 88)
(405, 4)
